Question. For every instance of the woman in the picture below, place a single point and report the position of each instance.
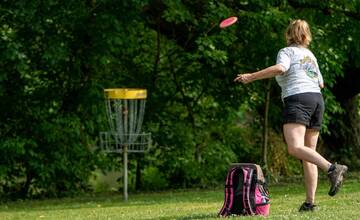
(299, 77)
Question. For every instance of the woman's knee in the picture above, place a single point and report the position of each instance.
(292, 150)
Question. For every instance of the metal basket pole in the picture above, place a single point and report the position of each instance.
(125, 120)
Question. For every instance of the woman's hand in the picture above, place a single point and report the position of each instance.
(244, 78)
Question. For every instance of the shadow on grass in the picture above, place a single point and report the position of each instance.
(190, 217)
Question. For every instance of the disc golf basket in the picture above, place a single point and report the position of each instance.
(125, 112)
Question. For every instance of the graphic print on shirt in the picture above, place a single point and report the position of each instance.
(309, 66)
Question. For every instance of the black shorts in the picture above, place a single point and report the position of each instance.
(305, 108)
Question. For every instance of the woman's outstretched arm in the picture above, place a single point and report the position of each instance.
(268, 72)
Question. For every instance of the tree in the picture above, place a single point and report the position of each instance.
(57, 57)
(46, 113)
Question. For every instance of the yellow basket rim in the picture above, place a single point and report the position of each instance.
(125, 93)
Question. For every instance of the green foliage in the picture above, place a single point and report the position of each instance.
(154, 179)
(45, 131)
(57, 57)
(57, 161)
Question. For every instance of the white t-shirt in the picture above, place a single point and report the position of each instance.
(301, 74)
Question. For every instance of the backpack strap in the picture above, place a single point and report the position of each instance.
(229, 194)
(248, 175)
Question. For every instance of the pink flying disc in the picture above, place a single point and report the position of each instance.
(228, 21)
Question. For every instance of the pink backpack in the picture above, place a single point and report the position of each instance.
(246, 192)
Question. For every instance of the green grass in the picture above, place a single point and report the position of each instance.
(186, 205)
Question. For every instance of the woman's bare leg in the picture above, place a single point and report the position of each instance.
(310, 169)
(295, 139)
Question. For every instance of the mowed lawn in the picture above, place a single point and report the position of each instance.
(187, 204)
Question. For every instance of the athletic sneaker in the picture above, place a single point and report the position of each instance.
(307, 207)
(336, 178)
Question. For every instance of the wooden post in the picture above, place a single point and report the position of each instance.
(266, 124)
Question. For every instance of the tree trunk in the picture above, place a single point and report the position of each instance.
(266, 124)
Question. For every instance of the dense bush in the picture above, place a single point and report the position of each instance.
(56, 57)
